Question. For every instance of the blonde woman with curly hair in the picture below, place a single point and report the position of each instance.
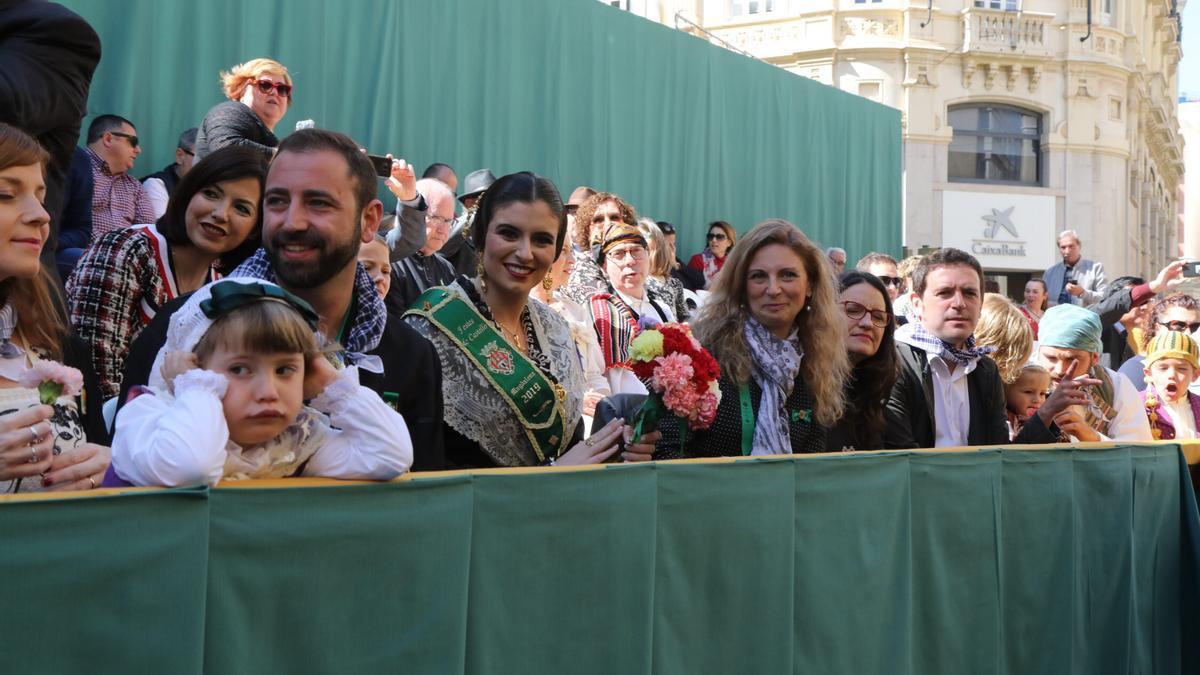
(773, 324)
(1003, 327)
(259, 93)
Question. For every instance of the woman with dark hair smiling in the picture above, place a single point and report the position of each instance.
(871, 346)
(213, 222)
(511, 377)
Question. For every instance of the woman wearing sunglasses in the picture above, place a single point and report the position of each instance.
(871, 346)
(259, 92)
(721, 237)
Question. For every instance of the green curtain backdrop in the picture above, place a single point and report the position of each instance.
(999, 561)
(573, 89)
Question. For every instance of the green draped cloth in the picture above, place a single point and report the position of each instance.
(998, 561)
(576, 90)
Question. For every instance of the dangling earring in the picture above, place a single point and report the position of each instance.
(547, 283)
(482, 278)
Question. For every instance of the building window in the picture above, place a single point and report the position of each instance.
(870, 89)
(863, 2)
(1006, 5)
(744, 7)
(1106, 12)
(995, 144)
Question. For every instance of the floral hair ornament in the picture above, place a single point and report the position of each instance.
(227, 296)
(52, 380)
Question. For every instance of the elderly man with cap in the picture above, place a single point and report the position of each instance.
(458, 248)
(1069, 347)
(624, 260)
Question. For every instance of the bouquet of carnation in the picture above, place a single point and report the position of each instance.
(680, 374)
(52, 379)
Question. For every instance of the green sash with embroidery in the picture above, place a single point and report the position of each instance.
(533, 398)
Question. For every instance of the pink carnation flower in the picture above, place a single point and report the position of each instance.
(706, 410)
(673, 371)
(681, 401)
(52, 380)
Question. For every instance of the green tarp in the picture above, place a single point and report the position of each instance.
(572, 89)
(998, 561)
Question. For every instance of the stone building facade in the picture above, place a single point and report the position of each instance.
(1020, 120)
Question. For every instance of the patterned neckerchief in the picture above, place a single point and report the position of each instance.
(370, 315)
(914, 334)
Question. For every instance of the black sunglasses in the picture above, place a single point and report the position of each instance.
(284, 89)
(717, 236)
(895, 282)
(1181, 326)
(133, 140)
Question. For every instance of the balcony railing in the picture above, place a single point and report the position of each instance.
(999, 32)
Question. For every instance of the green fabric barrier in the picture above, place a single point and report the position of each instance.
(110, 584)
(573, 89)
(998, 561)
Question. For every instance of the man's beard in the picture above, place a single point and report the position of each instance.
(331, 259)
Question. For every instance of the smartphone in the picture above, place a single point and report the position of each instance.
(1191, 268)
(383, 165)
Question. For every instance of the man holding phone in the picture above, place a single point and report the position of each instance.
(1074, 281)
(408, 235)
(1069, 347)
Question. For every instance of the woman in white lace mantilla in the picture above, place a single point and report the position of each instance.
(511, 376)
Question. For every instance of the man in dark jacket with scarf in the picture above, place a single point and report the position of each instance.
(949, 392)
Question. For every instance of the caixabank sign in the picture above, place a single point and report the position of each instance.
(1004, 231)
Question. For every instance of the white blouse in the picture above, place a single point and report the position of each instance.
(348, 432)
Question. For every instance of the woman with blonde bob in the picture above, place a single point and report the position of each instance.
(1003, 326)
(662, 263)
(773, 324)
(259, 93)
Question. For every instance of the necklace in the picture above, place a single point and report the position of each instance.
(513, 337)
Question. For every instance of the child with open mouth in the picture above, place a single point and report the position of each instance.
(1172, 365)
